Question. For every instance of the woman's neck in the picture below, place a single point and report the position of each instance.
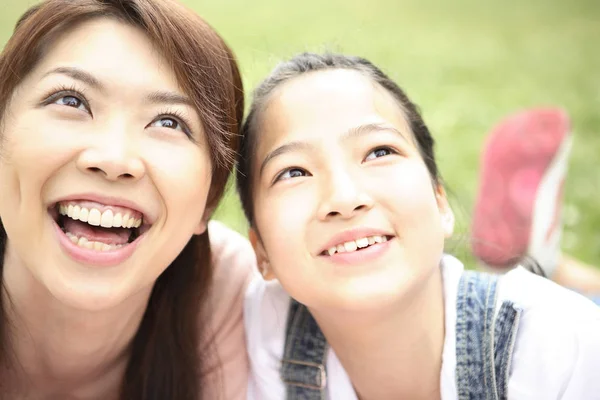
(62, 350)
(392, 354)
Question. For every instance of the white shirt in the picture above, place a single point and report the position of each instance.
(556, 353)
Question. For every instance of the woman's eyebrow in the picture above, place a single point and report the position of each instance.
(156, 97)
(161, 97)
(79, 75)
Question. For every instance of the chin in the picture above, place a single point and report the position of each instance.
(368, 301)
(91, 295)
(373, 294)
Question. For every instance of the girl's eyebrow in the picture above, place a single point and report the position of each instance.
(286, 148)
(365, 129)
(352, 133)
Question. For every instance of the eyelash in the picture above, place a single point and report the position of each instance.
(285, 171)
(72, 90)
(387, 148)
(278, 177)
(65, 91)
(178, 117)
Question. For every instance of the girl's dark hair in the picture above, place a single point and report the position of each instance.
(164, 361)
(310, 62)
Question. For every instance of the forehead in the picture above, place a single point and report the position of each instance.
(329, 102)
(113, 51)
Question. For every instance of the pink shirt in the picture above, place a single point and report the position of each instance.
(226, 367)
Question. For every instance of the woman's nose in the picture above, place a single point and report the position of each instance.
(114, 158)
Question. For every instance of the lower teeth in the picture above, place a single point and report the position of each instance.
(91, 245)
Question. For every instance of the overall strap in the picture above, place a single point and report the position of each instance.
(303, 365)
(484, 343)
(507, 323)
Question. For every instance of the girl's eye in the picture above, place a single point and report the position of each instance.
(167, 122)
(71, 101)
(379, 152)
(291, 173)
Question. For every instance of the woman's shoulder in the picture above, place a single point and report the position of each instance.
(557, 343)
(223, 345)
(234, 261)
(234, 265)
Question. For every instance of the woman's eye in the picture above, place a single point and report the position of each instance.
(291, 173)
(71, 101)
(377, 153)
(167, 122)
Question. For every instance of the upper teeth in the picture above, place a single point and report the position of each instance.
(94, 217)
(356, 244)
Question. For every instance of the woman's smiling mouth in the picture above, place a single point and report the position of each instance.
(98, 234)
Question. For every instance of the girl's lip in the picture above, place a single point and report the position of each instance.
(362, 256)
(353, 234)
(93, 257)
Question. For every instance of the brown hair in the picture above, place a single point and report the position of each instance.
(164, 361)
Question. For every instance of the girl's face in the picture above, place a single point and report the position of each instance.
(97, 140)
(346, 214)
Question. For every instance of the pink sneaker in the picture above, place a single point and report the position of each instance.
(518, 209)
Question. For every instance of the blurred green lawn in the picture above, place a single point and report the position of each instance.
(467, 64)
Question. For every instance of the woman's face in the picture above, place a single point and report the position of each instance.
(345, 209)
(97, 140)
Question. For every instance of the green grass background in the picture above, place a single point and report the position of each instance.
(466, 63)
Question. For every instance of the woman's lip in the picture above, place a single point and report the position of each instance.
(93, 257)
(108, 201)
(360, 257)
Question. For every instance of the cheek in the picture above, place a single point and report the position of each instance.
(283, 222)
(183, 174)
(411, 200)
(282, 218)
(30, 138)
(32, 150)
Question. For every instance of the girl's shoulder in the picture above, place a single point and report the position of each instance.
(554, 339)
(535, 296)
(552, 307)
(266, 311)
(557, 344)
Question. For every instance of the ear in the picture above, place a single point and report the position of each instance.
(202, 225)
(446, 213)
(262, 260)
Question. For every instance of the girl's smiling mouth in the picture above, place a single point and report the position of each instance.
(98, 234)
(357, 246)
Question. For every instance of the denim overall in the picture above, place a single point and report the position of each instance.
(484, 345)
